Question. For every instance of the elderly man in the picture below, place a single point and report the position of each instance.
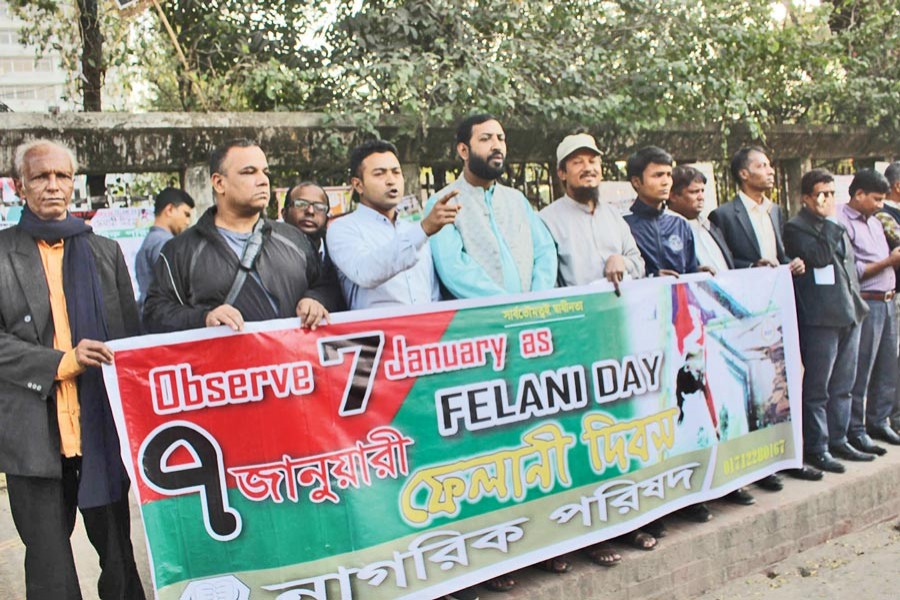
(829, 310)
(593, 241)
(497, 244)
(65, 293)
(235, 265)
(876, 371)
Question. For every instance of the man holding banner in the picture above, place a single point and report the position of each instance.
(66, 292)
(235, 265)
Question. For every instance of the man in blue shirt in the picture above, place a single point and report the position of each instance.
(383, 260)
(173, 209)
(666, 241)
(497, 244)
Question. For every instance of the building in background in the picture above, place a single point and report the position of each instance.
(28, 84)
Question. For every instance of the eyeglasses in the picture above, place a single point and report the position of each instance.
(319, 207)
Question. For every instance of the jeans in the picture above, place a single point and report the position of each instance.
(829, 370)
(876, 370)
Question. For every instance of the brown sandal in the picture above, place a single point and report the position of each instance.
(502, 583)
(557, 565)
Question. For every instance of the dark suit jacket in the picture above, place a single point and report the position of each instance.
(29, 430)
(734, 222)
(822, 244)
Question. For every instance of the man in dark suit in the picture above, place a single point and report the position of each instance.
(687, 199)
(829, 310)
(65, 293)
(751, 225)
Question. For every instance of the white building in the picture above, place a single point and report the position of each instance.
(28, 84)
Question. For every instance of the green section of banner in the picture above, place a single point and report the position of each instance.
(628, 503)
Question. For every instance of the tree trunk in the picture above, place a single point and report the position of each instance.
(92, 73)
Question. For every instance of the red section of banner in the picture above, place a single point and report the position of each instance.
(293, 424)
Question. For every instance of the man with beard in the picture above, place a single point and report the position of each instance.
(383, 260)
(306, 207)
(235, 265)
(666, 241)
(497, 244)
(592, 240)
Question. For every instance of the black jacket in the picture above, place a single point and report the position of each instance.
(195, 270)
(29, 426)
(734, 222)
(821, 244)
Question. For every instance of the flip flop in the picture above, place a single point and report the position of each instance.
(557, 565)
(641, 540)
(603, 555)
(503, 583)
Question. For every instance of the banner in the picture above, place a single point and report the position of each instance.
(410, 452)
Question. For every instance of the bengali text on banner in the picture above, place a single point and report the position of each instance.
(407, 453)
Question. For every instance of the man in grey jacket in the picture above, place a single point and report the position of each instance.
(194, 284)
(65, 293)
(829, 310)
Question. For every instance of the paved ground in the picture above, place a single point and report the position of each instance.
(860, 565)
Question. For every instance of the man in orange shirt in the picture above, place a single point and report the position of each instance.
(65, 293)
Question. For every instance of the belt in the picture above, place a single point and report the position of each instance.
(880, 296)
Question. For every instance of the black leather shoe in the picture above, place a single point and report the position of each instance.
(771, 483)
(824, 462)
(740, 496)
(864, 444)
(847, 452)
(884, 433)
(806, 473)
(698, 513)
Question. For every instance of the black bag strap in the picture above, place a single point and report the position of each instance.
(251, 251)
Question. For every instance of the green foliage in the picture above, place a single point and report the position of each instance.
(619, 65)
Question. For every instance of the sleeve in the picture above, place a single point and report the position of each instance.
(68, 366)
(166, 308)
(634, 262)
(370, 266)
(692, 265)
(130, 316)
(321, 279)
(461, 275)
(546, 262)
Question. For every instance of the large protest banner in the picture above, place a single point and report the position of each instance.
(407, 453)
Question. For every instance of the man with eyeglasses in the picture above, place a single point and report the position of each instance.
(306, 207)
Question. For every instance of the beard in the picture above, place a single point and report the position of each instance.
(483, 169)
(585, 193)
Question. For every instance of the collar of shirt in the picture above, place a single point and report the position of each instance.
(852, 213)
(752, 206)
(575, 204)
(646, 211)
(374, 215)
